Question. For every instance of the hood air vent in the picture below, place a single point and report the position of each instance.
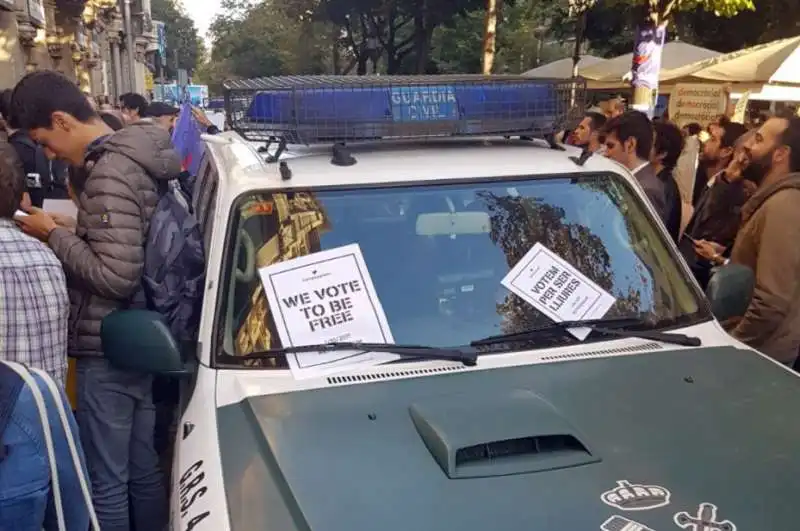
(519, 432)
(527, 446)
(648, 346)
(374, 377)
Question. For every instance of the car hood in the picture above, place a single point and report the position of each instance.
(658, 440)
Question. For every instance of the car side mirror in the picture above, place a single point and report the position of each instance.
(140, 340)
(729, 291)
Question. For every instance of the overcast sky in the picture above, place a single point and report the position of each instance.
(202, 12)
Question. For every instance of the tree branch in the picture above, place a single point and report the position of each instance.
(350, 66)
(402, 53)
(351, 40)
(670, 6)
(405, 42)
(403, 22)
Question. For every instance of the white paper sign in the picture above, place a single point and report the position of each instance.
(322, 298)
(551, 285)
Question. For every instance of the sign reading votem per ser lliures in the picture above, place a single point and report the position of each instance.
(326, 297)
(554, 287)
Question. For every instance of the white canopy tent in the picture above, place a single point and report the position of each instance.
(675, 54)
(768, 93)
(562, 69)
(774, 63)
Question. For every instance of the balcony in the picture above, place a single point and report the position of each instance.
(70, 8)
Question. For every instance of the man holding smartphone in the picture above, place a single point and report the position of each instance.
(717, 213)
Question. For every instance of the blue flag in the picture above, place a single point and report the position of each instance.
(187, 141)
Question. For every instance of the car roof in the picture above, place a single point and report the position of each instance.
(398, 162)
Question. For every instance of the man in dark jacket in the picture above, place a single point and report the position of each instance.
(767, 242)
(629, 141)
(717, 215)
(667, 149)
(104, 260)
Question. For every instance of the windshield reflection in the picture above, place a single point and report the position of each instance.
(440, 288)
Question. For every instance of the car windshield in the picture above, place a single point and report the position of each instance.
(440, 285)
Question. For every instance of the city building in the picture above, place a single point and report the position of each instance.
(107, 46)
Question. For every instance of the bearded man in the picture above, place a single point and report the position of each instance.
(767, 241)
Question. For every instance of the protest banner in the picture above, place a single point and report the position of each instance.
(554, 287)
(322, 298)
(187, 141)
(701, 103)
(740, 111)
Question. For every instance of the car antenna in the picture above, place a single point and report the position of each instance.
(342, 156)
(278, 152)
(286, 171)
(550, 138)
(585, 155)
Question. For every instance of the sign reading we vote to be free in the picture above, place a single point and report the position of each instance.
(326, 297)
(557, 289)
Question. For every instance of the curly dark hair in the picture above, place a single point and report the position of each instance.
(133, 101)
(668, 142)
(39, 94)
(12, 181)
(632, 124)
(5, 108)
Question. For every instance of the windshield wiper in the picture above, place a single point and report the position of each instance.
(466, 357)
(607, 327)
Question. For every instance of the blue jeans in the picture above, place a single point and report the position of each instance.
(116, 417)
(26, 500)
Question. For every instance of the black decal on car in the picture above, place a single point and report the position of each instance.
(191, 489)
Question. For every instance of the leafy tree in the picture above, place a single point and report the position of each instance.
(455, 45)
(656, 15)
(364, 36)
(580, 10)
(181, 36)
(270, 38)
(490, 36)
(361, 30)
(767, 23)
(522, 29)
(244, 44)
(525, 27)
(400, 30)
(610, 28)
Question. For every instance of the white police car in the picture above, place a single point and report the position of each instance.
(442, 323)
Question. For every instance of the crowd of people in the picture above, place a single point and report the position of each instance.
(726, 194)
(60, 276)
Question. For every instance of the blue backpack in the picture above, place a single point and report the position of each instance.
(174, 263)
(10, 387)
(174, 256)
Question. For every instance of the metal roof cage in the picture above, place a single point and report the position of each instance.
(334, 109)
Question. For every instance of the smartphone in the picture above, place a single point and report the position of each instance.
(20, 213)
